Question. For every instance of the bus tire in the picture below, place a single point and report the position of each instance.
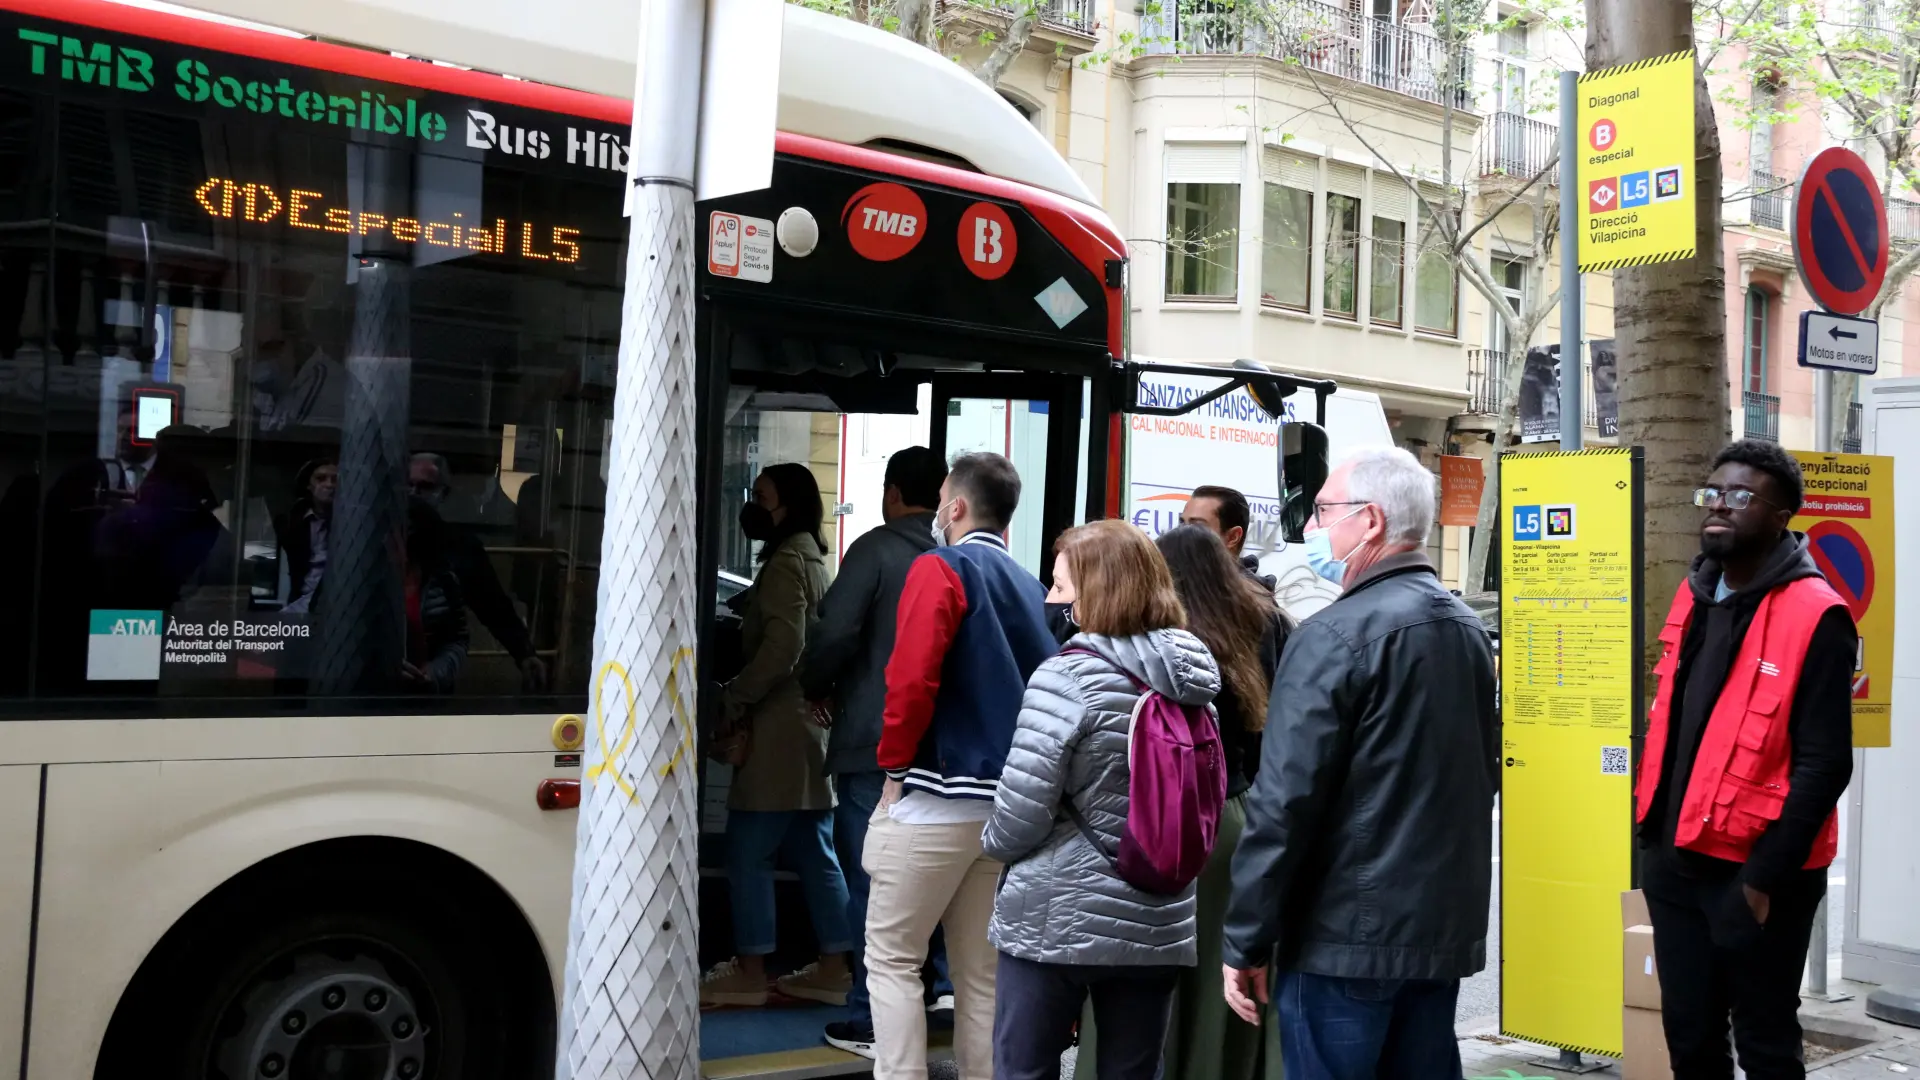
(373, 969)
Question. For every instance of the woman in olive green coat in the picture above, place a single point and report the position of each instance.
(780, 797)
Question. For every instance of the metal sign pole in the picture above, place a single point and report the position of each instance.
(1572, 431)
(632, 972)
(1572, 426)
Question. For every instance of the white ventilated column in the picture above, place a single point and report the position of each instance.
(632, 973)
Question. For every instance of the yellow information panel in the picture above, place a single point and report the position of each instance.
(1634, 126)
(1570, 628)
(1848, 519)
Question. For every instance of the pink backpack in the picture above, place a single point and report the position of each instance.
(1176, 790)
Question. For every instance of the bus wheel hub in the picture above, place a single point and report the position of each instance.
(328, 1019)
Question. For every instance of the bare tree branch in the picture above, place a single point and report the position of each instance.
(1494, 214)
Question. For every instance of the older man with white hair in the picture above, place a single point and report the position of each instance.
(1362, 878)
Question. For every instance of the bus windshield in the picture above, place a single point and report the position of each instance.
(305, 383)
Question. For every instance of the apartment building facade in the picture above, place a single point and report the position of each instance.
(1277, 169)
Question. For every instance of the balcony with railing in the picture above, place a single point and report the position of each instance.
(1772, 198)
(1071, 16)
(1762, 416)
(1337, 41)
(1903, 221)
(1518, 147)
(1487, 374)
(1850, 437)
(1486, 378)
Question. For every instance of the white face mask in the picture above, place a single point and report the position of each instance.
(939, 530)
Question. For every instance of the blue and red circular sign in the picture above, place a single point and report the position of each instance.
(1840, 231)
(1844, 558)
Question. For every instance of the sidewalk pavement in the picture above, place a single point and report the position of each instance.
(1871, 1049)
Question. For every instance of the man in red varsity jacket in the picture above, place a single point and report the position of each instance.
(1749, 747)
(972, 627)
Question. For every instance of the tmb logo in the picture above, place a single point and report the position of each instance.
(884, 221)
(486, 133)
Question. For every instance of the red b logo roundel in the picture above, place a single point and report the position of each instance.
(884, 221)
(987, 241)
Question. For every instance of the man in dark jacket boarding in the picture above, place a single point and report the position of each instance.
(1362, 875)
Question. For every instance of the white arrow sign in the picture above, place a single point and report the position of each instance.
(1839, 342)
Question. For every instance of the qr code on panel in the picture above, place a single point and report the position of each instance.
(1613, 761)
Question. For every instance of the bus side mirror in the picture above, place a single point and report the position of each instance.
(1303, 472)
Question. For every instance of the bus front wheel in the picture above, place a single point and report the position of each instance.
(341, 977)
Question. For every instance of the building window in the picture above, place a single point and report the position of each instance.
(1436, 285)
(1510, 276)
(1286, 257)
(1343, 256)
(1286, 254)
(1753, 369)
(1203, 240)
(1389, 257)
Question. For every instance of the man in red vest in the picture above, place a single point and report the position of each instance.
(1749, 747)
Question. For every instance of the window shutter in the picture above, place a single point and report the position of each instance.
(1391, 199)
(1291, 170)
(1345, 179)
(1203, 163)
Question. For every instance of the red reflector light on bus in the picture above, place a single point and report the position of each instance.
(558, 795)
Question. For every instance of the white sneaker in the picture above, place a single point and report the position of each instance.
(943, 1003)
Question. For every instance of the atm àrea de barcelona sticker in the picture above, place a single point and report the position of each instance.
(884, 221)
(987, 241)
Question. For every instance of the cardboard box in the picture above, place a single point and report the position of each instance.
(1640, 980)
(1646, 1046)
(1633, 909)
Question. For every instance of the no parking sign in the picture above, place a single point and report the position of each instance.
(1848, 519)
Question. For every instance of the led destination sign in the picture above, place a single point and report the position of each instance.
(106, 65)
(260, 204)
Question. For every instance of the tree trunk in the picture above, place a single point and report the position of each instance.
(916, 20)
(1670, 319)
(1008, 48)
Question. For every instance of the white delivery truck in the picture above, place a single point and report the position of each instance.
(1231, 441)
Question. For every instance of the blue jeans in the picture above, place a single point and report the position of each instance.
(1367, 1029)
(859, 794)
(754, 837)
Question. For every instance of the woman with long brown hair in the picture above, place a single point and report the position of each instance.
(1235, 616)
(1068, 927)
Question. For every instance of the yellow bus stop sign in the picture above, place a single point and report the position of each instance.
(1635, 170)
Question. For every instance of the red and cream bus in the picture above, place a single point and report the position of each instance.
(272, 731)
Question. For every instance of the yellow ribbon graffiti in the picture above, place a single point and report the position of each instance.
(680, 710)
(609, 763)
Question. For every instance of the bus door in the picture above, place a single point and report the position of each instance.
(862, 304)
(1037, 421)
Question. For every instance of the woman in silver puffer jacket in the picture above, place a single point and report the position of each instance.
(1066, 925)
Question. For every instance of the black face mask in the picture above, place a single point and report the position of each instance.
(756, 522)
(1060, 621)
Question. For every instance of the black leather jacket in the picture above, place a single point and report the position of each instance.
(1368, 847)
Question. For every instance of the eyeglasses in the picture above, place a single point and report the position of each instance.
(1320, 510)
(1732, 499)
